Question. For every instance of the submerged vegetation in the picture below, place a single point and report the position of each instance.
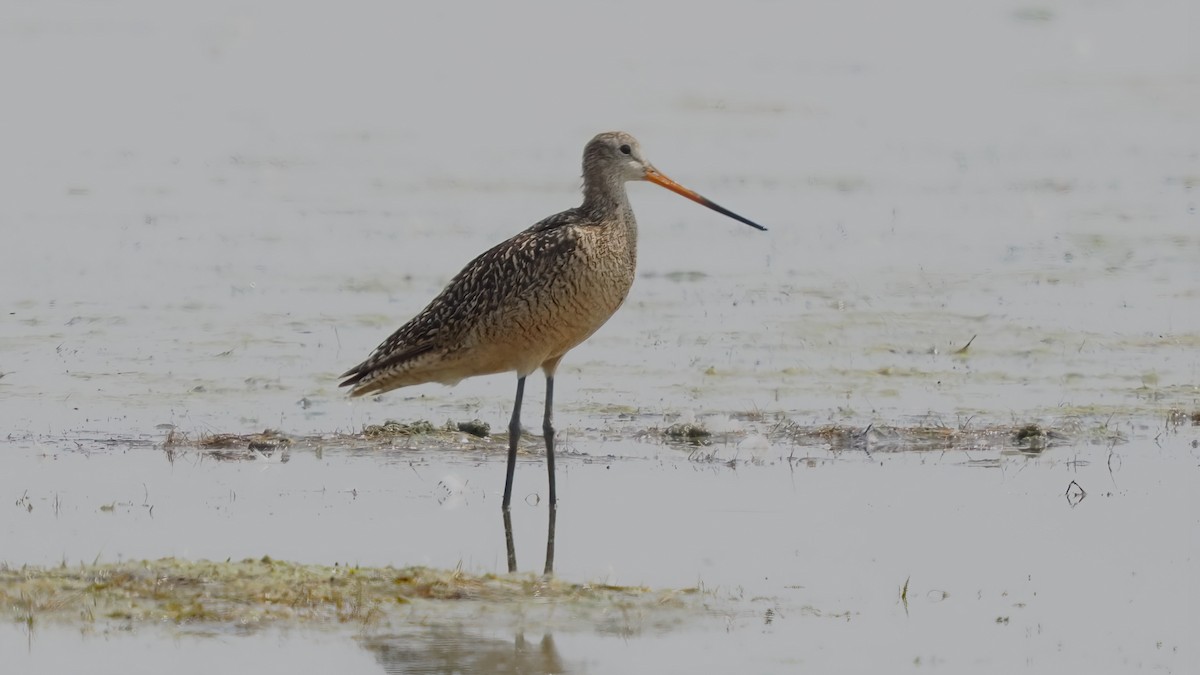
(253, 593)
(1029, 437)
(784, 433)
(235, 447)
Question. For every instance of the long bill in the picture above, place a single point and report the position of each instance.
(655, 176)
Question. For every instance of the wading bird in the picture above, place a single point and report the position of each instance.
(526, 302)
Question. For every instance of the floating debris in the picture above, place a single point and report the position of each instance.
(965, 347)
(923, 438)
(269, 444)
(1031, 436)
(1176, 417)
(232, 447)
(394, 428)
(687, 431)
(475, 428)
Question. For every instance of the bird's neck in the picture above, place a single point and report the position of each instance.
(608, 204)
(606, 201)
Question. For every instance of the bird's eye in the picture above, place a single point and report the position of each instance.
(625, 149)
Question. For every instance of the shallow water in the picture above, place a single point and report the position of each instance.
(212, 211)
(804, 559)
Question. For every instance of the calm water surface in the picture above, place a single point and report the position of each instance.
(211, 211)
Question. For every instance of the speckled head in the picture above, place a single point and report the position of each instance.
(615, 157)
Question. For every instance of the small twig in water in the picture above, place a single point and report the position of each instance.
(964, 348)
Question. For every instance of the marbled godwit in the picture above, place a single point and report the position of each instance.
(529, 300)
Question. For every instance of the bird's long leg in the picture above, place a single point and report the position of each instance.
(514, 435)
(548, 430)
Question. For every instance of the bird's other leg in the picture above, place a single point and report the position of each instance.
(514, 435)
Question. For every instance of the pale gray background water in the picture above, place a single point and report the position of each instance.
(210, 210)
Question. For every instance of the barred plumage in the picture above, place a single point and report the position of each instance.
(507, 295)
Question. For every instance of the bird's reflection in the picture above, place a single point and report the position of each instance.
(508, 540)
(512, 549)
(454, 649)
(448, 649)
(550, 540)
